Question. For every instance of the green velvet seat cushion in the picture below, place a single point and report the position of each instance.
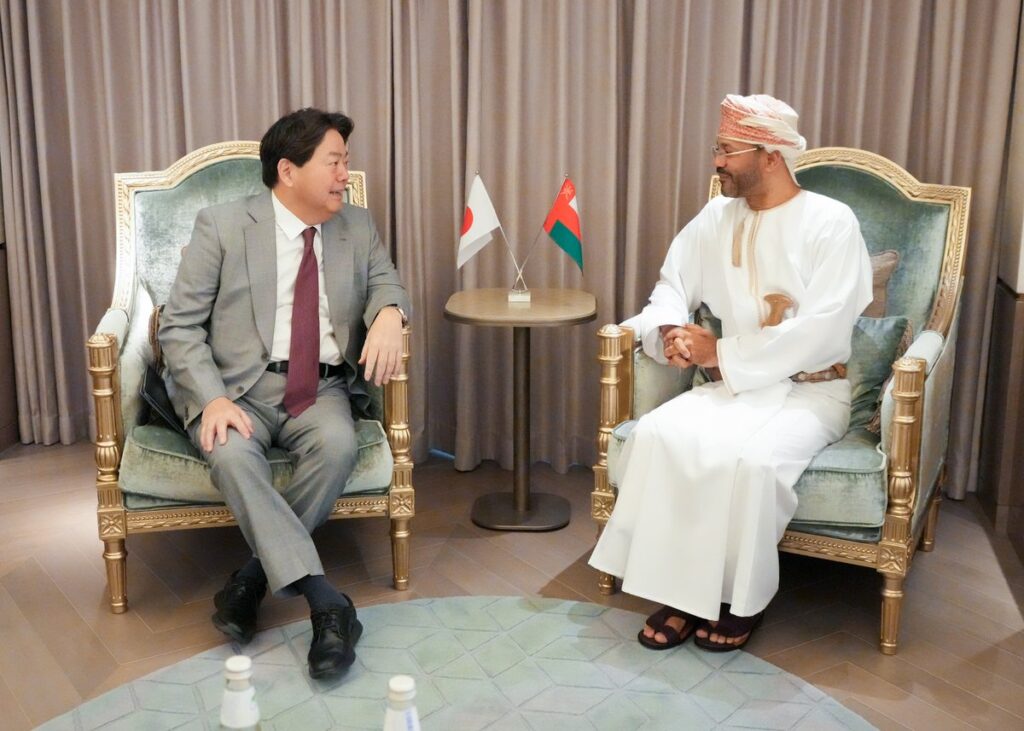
(844, 485)
(166, 470)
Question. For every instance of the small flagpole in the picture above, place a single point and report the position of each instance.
(511, 254)
(533, 246)
(508, 247)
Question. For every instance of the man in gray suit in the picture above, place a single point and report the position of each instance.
(278, 301)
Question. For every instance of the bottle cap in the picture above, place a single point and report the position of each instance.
(402, 688)
(238, 667)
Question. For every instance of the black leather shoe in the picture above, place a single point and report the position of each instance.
(237, 604)
(335, 633)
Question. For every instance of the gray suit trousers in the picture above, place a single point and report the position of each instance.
(321, 441)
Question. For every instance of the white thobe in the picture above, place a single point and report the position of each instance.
(706, 479)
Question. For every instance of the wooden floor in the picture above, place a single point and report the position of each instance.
(960, 665)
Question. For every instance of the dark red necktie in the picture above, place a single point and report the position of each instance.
(304, 352)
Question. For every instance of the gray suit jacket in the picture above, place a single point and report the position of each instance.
(217, 328)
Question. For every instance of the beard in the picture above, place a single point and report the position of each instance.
(738, 185)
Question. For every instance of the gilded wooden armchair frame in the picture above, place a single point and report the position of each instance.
(893, 553)
(115, 520)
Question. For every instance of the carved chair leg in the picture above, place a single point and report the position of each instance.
(115, 555)
(928, 536)
(606, 584)
(400, 552)
(892, 604)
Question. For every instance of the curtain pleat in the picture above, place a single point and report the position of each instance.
(429, 103)
(621, 96)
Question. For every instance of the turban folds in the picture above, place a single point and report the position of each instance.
(762, 120)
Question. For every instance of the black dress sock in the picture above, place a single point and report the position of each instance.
(319, 593)
(253, 570)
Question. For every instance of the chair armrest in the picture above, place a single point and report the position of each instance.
(631, 385)
(939, 356)
(927, 346)
(114, 322)
(103, 349)
(915, 430)
(396, 417)
(655, 383)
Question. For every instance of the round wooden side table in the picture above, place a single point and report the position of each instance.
(521, 510)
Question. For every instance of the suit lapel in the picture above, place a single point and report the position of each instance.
(338, 274)
(261, 262)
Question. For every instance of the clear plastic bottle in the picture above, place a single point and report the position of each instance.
(401, 713)
(238, 708)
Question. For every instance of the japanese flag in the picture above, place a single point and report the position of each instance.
(480, 220)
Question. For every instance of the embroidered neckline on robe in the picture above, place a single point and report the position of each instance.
(737, 252)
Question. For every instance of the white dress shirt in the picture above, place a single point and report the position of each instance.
(289, 254)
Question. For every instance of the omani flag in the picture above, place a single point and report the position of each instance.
(563, 223)
(480, 220)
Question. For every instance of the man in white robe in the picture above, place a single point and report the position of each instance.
(706, 482)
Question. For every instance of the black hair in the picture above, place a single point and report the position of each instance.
(296, 135)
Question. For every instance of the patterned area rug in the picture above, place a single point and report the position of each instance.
(482, 663)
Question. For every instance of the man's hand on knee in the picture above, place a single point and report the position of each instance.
(219, 415)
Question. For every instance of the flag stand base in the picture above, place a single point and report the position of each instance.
(519, 296)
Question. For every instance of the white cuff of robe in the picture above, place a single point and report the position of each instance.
(647, 326)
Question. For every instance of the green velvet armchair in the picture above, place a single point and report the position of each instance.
(870, 499)
(149, 476)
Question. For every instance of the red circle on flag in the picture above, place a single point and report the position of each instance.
(467, 222)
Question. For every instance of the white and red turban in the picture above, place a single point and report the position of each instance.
(762, 120)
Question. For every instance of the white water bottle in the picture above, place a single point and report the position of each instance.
(401, 714)
(238, 709)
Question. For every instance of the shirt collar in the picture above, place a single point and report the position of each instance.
(287, 221)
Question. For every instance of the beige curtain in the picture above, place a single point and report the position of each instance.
(429, 103)
(622, 96)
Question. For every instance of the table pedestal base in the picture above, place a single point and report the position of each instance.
(497, 511)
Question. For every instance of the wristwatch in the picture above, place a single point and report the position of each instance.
(405, 319)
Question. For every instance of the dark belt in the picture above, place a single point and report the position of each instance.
(326, 371)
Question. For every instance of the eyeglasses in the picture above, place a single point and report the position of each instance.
(717, 151)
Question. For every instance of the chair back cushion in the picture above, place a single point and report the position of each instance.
(890, 221)
(164, 218)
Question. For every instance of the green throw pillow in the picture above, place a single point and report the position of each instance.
(877, 342)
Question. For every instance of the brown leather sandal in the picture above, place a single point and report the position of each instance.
(729, 626)
(673, 637)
